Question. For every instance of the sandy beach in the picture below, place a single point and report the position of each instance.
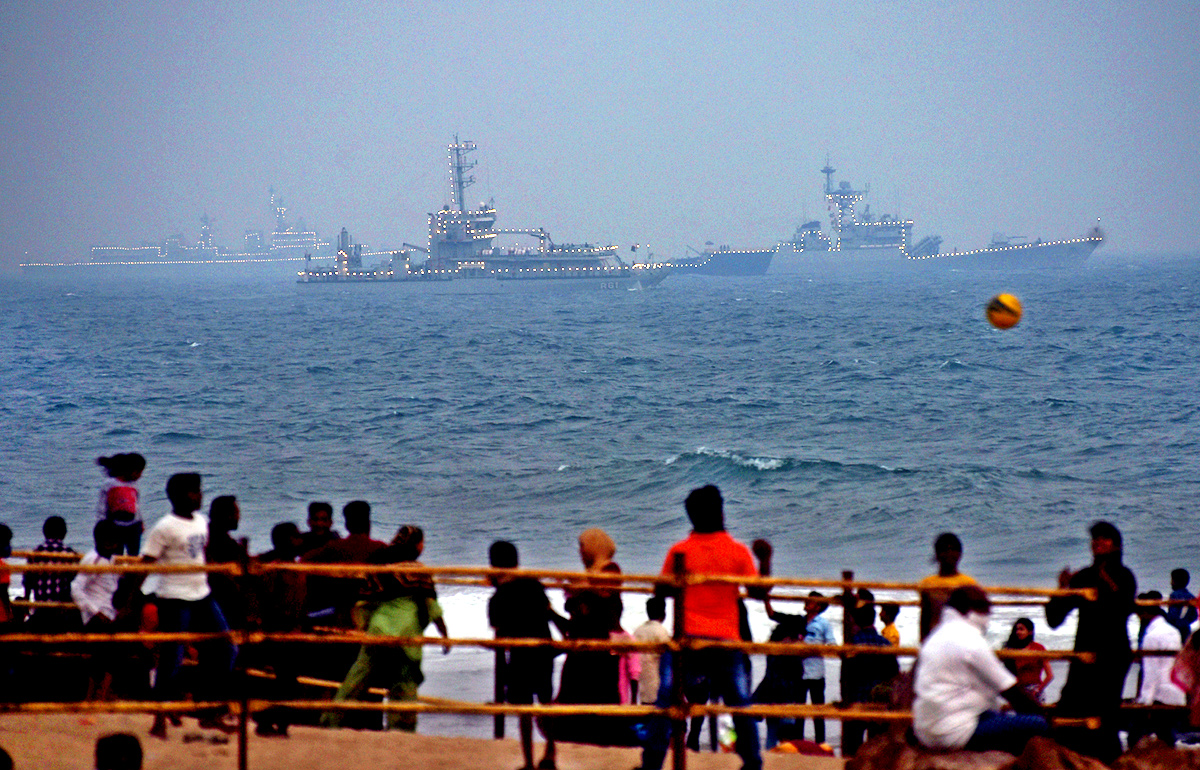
(67, 741)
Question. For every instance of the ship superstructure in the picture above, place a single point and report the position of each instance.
(462, 248)
(858, 243)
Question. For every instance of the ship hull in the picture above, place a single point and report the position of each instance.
(789, 259)
(484, 282)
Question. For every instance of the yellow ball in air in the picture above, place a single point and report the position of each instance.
(1004, 311)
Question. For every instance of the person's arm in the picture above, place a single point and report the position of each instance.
(440, 624)
(1047, 677)
(1059, 607)
(762, 551)
(1021, 702)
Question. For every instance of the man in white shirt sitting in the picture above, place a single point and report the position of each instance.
(958, 679)
(1157, 687)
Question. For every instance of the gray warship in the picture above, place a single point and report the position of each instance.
(462, 256)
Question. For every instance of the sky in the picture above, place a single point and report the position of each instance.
(664, 124)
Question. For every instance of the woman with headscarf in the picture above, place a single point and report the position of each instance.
(1033, 674)
(594, 612)
(403, 604)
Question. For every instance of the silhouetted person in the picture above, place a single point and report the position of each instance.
(279, 608)
(935, 589)
(185, 602)
(320, 527)
(118, 751)
(119, 497)
(520, 609)
(52, 586)
(710, 611)
(1182, 616)
(93, 594)
(331, 599)
(862, 674)
(1094, 689)
(224, 516)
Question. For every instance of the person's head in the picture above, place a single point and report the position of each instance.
(357, 514)
(812, 606)
(285, 539)
(864, 615)
(596, 549)
(6, 762)
(183, 490)
(1148, 611)
(54, 528)
(320, 518)
(888, 612)
(973, 604)
(705, 509)
(947, 550)
(127, 466)
(408, 543)
(656, 608)
(1179, 579)
(5, 541)
(1021, 635)
(118, 751)
(107, 537)
(503, 555)
(224, 515)
(1106, 539)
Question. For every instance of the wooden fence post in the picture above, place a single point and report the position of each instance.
(679, 728)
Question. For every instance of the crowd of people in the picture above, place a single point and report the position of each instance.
(953, 688)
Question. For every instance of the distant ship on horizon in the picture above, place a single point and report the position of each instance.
(857, 243)
(287, 243)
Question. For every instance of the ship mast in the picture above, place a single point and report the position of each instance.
(459, 166)
(828, 171)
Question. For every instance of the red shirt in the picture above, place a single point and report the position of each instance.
(711, 609)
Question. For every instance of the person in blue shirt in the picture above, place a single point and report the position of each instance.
(1182, 616)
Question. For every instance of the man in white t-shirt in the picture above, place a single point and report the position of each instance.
(184, 602)
(958, 680)
(1156, 686)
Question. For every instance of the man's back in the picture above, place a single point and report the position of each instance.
(711, 609)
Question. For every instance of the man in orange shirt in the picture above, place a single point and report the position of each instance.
(710, 611)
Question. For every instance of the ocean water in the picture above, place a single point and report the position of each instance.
(849, 422)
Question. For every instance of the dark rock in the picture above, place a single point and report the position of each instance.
(1152, 754)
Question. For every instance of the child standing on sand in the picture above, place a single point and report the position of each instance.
(119, 498)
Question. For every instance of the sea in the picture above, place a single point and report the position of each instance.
(847, 421)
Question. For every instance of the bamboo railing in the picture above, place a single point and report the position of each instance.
(678, 712)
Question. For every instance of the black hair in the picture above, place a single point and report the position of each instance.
(179, 489)
(889, 611)
(1013, 642)
(358, 517)
(656, 608)
(1180, 577)
(54, 528)
(406, 545)
(947, 541)
(283, 534)
(318, 505)
(118, 751)
(123, 464)
(864, 616)
(105, 529)
(1108, 531)
(705, 509)
(969, 598)
(502, 555)
(222, 513)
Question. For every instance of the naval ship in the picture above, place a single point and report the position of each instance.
(462, 256)
(860, 244)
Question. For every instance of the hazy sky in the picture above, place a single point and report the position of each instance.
(664, 123)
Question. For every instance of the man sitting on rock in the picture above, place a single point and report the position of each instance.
(958, 677)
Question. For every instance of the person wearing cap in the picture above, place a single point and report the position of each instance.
(958, 679)
(1094, 689)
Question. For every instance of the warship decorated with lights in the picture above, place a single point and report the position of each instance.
(860, 244)
(462, 256)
